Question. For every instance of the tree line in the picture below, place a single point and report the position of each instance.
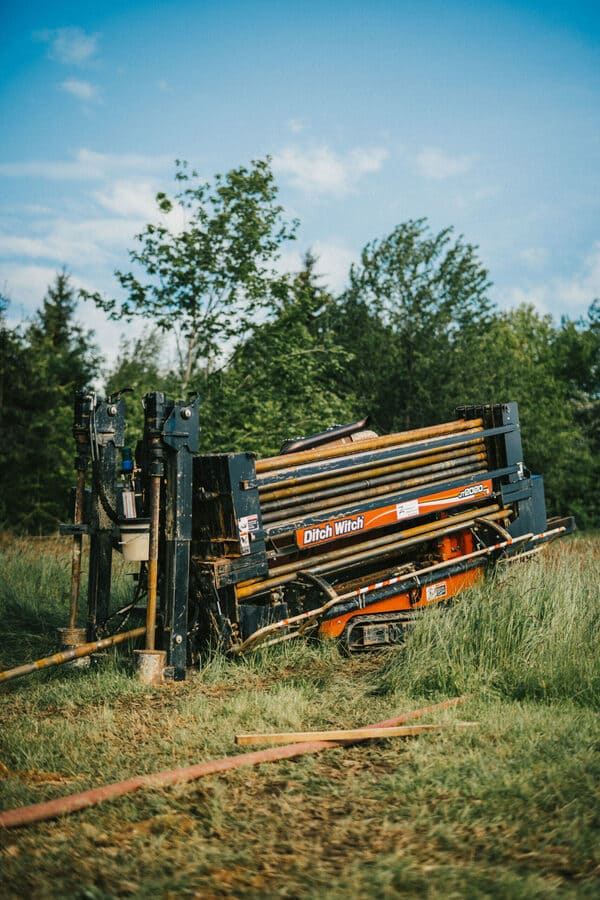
(273, 356)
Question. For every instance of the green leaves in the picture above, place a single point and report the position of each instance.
(207, 278)
(422, 293)
(282, 381)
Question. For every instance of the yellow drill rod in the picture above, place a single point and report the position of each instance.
(272, 463)
(66, 655)
(153, 561)
(295, 486)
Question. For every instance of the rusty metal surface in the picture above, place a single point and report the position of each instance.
(376, 487)
(372, 549)
(77, 550)
(365, 459)
(273, 463)
(308, 484)
(76, 653)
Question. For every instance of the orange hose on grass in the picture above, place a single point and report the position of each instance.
(50, 809)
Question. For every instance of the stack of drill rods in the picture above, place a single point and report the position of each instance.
(321, 472)
(275, 463)
(314, 615)
(283, 510)
(366, 554)
(361, 464)
(343, 557)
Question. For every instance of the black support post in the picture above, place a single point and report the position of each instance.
(107, 435)
(180, 436)
(171, 441)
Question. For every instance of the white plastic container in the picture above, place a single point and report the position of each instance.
(135, 539)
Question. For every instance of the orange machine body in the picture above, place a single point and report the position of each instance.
(450, 547)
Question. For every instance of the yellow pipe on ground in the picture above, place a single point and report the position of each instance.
(67, 655)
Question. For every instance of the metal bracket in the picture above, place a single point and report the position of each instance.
(68, 529)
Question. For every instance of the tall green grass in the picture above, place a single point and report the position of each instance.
(35, 579)
(532, 631)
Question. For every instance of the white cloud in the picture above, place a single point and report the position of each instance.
(107, 334)
(12, 245)
(468, 198)
(24, 285)
(134, 199)
(97, 240)
(83, 90)
(584, 287)
(435, 163)
(563, 296)
(534, 257)
(320, 170)
(333, 263)
(87, 165)
(537, 295)
(102, 238)
(70, 46)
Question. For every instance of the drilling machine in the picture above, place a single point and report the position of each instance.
(345, 534)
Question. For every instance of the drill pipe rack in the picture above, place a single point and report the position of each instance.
(343, 535)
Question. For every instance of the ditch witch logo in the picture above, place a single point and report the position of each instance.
(332, 529)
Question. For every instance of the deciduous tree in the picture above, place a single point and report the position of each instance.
(415, 300)
(284, 379)
(203, 272)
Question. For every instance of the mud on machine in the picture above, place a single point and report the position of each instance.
(344, 534)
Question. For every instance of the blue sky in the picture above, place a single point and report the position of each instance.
(484, 116)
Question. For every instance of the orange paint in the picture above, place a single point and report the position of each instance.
(432, 593)
(453, 545)
(347, 526)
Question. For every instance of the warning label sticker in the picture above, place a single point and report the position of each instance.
(407, 510)
(248, 523)
(436, 591)
(246, 526)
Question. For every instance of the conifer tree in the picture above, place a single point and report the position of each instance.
(50, 360)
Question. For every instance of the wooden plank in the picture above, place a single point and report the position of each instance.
(61, 806)
(352, 734)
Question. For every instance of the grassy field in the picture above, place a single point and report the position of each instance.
(509, 809)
